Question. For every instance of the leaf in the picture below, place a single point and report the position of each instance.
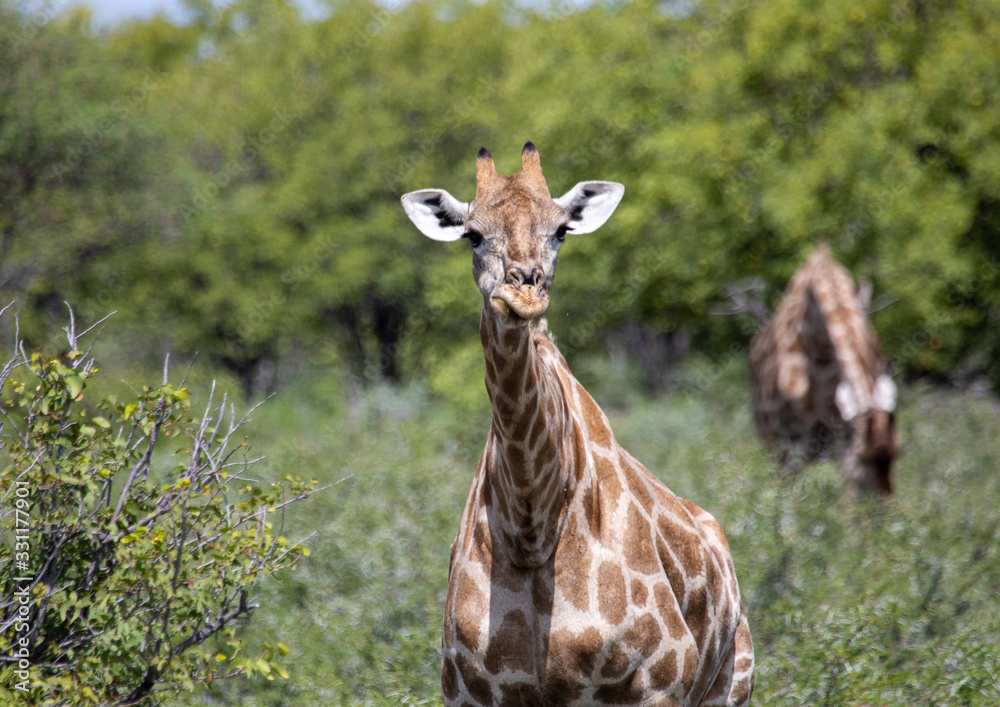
(75, 384)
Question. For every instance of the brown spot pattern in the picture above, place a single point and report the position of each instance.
(638, 490)
(592, 511)
(509, 647)
(617, 663)
(644, 635)
(449, 679)
(696, 613)
(573, 569)
(470, 607)
(611, 593)
(519, 694)
(478, 687)
(572, 657)
(606, 474)
(625, 692)
(639, 593)
(640, 555)
(550, 444)
(593, 418)
(542, 593)
(663, 672)
(684, 543)
(536, 432)
(667, 607)
(675, 576)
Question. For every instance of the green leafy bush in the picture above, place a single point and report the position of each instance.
(276, 147)
(131, 534)
(850, 604)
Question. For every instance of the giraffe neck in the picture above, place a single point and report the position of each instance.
(528, 449)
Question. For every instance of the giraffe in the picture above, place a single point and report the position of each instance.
(576, 577)
(817, 369)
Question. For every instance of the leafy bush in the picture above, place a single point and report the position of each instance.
(850, 604)
(131, 535)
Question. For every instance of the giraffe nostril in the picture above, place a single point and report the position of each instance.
(525, 276)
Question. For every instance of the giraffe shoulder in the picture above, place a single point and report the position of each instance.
(709, 525)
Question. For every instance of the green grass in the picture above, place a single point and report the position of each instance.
(850, 603)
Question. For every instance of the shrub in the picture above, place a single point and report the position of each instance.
(131, 534)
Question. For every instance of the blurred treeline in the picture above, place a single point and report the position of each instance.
(231, 185)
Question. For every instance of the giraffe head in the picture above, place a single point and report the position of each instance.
(874, 440)
(515, 229)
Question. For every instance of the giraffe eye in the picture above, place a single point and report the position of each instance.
(560, 234)
(475, 238)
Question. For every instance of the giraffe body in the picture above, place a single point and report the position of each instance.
(817, 372)
(576, 578)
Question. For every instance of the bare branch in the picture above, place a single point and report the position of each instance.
(96, 324)
(170, 585)
(745, 297)
(143, 463)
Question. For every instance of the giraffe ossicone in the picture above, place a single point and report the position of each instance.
(576, 577)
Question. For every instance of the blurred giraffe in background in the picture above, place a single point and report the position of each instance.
(818, 367)
(577, 578)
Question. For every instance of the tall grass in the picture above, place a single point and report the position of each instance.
(850, 602)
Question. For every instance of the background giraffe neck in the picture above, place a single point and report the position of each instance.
(528, 446)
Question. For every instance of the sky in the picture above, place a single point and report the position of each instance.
(109, 12)
(112, 11)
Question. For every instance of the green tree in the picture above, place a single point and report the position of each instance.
(77, 199)
(248, 201)
(868, 126)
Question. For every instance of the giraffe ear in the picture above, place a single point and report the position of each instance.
(590, 204)
(436, 213)
(846, 401)
(884, 394)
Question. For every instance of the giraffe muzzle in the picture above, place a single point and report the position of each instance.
(519, 304)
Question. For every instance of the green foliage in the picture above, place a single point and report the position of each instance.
(76, 153)
(135, 533)
(232, 185)
(239, 191)
(850, 604)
